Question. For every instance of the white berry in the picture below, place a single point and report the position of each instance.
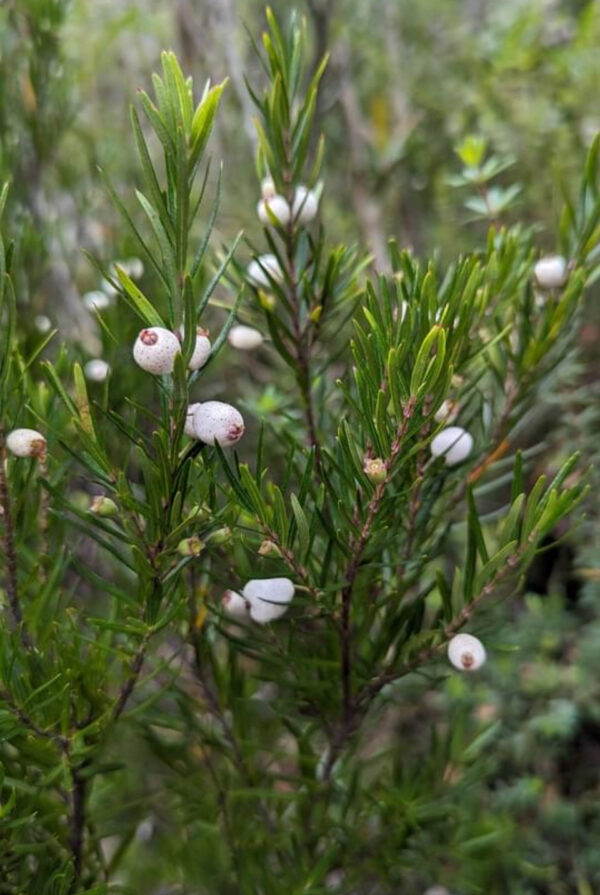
(264, 269)
(467, 653)
(96, 300)
(96, 370)
(202, 348)
(245, 338)
(155, 350)
(133, 267)
(42, 323)
(234, 604)
(306, 205)
(269, 598)
(276, 206)
(453, 443)
(26, 443)
(551, 271)
(188, 428)
(215, 421)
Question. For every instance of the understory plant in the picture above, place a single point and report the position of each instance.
(219, 591)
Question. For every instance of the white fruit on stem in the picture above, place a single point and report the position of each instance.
(26, 443)
(188, 427)
(155, 350)
(269, 598)
(453, 443)
(96, 370)
(261, 268)
(42, 323)
(215, 421)
(235, 605)
(467, 653)
(277, 207)
(202, 348)
(306, 205)
(96, 300)
(244, 338)
(551, 271)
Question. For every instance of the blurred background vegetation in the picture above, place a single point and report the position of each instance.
(407, 82)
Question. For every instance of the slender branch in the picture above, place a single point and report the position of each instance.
(131, 681)
(371, 690)
(10, 551)
(27, 722)
(358, 549)
(77, 825)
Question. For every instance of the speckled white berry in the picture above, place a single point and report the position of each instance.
(262, 268)
(188, 428)
(26, 443)
(453, 443)
(306, 205)
(278, 208)
(244, 338)
(467, 653)
(202, 348)
(235, 605)
(155, 350)
(269, 598)
(96, 370)
(551, 271)
(215, 421)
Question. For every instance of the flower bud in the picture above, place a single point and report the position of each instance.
(155, 350)
(190, 546)
(268, 598)
(375, 469)
(452, 443)
(96, 370)
(96, 300)
(306, 205)
(26, 443)
(202, 348)
(199, 514)
(274, 207)
(446, 412)
(467, 653)
(269, 548)
(234, 604)
(215, 421)
(268, 189)
(103, 506)
(262, 270)
(245, 338)
(551, 271)
(266, 301)
(219, 537)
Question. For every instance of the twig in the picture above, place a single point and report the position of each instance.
(27, 722)
(77, 835)
(10, 551)
(134, 673)
(358, 549)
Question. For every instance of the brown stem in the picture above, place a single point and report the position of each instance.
(358, 549)
(27, 722)
(10, 551)
(134, 673)
(77, 834)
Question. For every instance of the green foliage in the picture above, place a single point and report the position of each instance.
(151, 739)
